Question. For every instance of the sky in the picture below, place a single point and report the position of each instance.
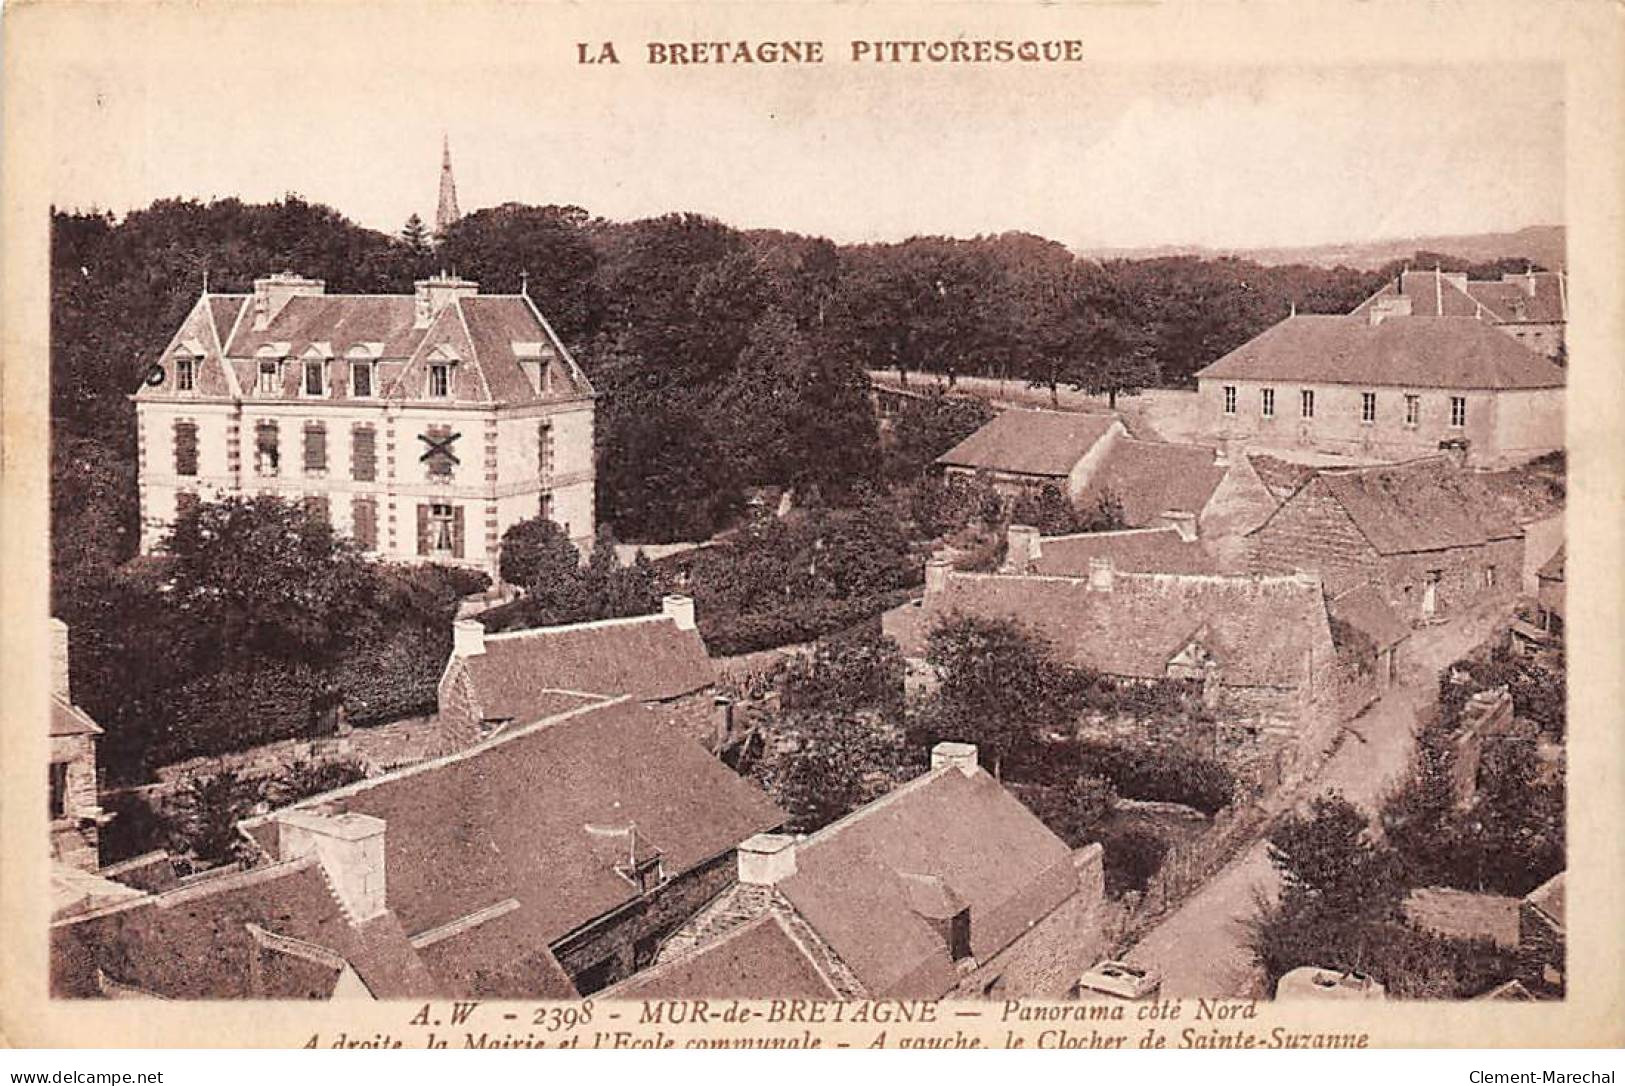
(1102, 154)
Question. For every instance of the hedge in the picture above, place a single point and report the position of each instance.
(734, 634)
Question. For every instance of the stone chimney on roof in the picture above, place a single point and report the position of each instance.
(61, 685)
(767, 859)
(961, 756)
(680, 609)
(1383, 308)
(1101, 574)
(436, 293)
(1024, 546)
(274, 292)
(1182, 522)
(468, 637)
(350, 848)
(936, 576)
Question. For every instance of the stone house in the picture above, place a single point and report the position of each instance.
(1258, 648)
(1427, 534)
(1531, 307)
(1379, 629)
(1158, 482)
(1385, 385)
(546, 862)
(423, 426)
(495, 680)
(945, 888)
(1022, 451)
(1174, 548)
(74, 791)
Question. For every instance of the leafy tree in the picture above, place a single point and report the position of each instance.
(1327, 857)
(1074, 812)
(536, 553)
(1106, 515)
(208, 811)
(846, 675)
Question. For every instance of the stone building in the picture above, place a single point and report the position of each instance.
(74, 792)
(421, 425)
(1532, 307)
(1022, 451)
(1427, 534)
(945, 888)
(546, 862)
(1259, 649)
(1385, 385)
(494, 680)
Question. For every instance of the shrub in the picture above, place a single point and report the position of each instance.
(1165, 775)
(304, 779)
(208, 811)
(730, 634)
(1133, 855)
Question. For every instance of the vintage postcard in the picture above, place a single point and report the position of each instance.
(535, 525)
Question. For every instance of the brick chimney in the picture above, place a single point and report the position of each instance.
(1182, 522)
(1023, 549)
(468, 637)
(1101, 574)
(767, 859)
(435, 293)
(680, 609)
(274, 292)
(962, 756)
(60, 684)
(936, 576)
(350, 848)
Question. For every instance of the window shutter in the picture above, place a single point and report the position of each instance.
(439, 452)
(185, 502)
(315, 447)
(265, 447)
(186, 448)
(364, 518)
(316, 507)
(457, 532)
(423, 529)
(363, 454)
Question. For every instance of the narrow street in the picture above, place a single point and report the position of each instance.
(1201, 948)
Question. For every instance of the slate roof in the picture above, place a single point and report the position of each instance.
(1152, 477)
(1432, 294)
(527, 674)
(1550, 897)
(1403, 352)
(1511, 303)
(541, 815)
(1419, 505)
(68, 719)
(1029, 442)
(759, 959)
(1459, 914)
(1364, 608)
(1259, 629)
(858, 881)
(1138, 550)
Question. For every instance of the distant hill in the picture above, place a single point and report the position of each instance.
(1545, 245)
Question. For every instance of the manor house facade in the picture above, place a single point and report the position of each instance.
(421, 425)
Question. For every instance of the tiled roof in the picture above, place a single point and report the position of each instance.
(759, 959)
(1552, 570)
(526, 675)
(69, 719)
(1139, 550)
(337, 321)
(1152, 477)
(963, 835)
(1420, 505)
(1403, 352)
(540, 815)
(1432, 294)
(1025, 442)
(1259, 629)
(1511, 302)
(1459, 914)
(1364, 608)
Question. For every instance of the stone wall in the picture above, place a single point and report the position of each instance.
(74, 836)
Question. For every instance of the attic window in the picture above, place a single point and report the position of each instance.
(185, 374)
(315, 381)
(440, 380)
(268, 376)
(361, 380)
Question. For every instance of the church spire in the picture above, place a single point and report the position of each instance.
(446, 213)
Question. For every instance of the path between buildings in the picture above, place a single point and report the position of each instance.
(1201, 947)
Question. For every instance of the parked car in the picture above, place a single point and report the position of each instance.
(1119, 980)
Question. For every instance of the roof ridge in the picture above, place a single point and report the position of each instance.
(571, 627)
(1110, 534)
(851, 818)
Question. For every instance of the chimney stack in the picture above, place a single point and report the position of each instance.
(962, 756)
(350, 848)
(468, 637)
(60, 683)
(274, 292)
(1182, 522)
(435, 293)
(1023, 549)
(1101, 574)
(722, 712)
(680, 609)
(936, 576)
(767, 859)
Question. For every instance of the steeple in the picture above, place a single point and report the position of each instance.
(446, 213)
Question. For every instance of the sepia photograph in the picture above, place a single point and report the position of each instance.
(857, 513)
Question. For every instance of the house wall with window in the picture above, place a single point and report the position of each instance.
(1404, 422)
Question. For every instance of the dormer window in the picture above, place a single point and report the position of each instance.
(268, 383)
(186, 374)
(440, 380)
(315, 378)
(361, 380)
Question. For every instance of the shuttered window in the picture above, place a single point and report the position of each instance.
(364, 523)
(316, 507)
(544, 450)
(186, 504)
(440, 453)
(315, 447)
(186, 448)
(363, 454)
(440, 530)
(267, 452)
